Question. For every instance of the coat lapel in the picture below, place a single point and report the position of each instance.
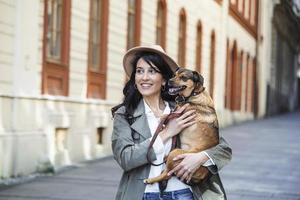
(140, 124)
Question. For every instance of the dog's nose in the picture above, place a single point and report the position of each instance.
(170, 82)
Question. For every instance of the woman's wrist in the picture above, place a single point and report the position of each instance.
(203, 158)
(164, 136)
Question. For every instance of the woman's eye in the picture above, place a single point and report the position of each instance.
(152, 71)
(139, 71)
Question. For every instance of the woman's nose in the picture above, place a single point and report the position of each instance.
(145, 75)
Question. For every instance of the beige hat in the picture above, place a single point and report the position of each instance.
(130, 55)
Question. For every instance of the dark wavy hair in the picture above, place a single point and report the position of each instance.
(131, 95)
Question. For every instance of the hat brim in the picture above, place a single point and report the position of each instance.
(130, 56)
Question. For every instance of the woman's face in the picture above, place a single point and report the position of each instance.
(148, 80)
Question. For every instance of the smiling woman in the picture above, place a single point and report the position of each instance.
(146, 101)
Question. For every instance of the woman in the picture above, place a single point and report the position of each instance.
(135, 121)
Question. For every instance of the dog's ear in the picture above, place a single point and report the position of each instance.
(199, 81)
(197, 78)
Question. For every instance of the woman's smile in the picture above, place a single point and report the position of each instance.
(148, 79)
(146, 85)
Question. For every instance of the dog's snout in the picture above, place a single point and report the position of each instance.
(170, 82)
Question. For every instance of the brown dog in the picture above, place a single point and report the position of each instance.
(188, 85)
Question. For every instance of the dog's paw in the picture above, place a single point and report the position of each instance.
(148, 181)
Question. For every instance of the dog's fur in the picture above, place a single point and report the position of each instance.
(200, 136)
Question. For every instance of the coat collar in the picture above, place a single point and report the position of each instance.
(140, 124)
(140, 109)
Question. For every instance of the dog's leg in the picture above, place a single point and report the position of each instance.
(170, 164)
(161, 177)
(200, 174)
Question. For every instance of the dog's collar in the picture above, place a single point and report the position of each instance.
(182, 99)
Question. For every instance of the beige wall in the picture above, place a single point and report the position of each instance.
(28, 120)
(7, 33)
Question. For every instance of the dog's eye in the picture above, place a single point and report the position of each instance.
(184, 78)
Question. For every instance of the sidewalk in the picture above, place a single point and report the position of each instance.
(265, 165)
(266, 159)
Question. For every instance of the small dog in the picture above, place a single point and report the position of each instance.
(188, 86)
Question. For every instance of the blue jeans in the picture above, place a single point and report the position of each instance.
(184, 194)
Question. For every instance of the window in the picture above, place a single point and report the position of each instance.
(228, 76)
(100, 131)
(54, 31)
(255, 13)
(134, 23)
(199, 47)
(97, 49)
(247, 90)
(212, 63)
(238, 82)
(243, 7)
(182, 38)
(56, 47)
(61, 136)
(240, 5)
(161, 23)
(234, 78)
(245, 13)
(253, 107)
(248, 9)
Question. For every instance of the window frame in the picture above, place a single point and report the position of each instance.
(96, 78)
(182, 39)
(228, 76)
(136, 37)
(248, 24)
(234, 72)
(55, 73)
(161, 4)
(212, 63)
(248, 86)
(198, 51)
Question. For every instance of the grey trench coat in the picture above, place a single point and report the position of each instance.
(130, 144)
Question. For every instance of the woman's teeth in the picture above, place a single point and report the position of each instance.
(146, 85)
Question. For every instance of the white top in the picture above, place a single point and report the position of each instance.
(161, 150)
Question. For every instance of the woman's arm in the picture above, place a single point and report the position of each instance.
(128, 154)
(220, 156)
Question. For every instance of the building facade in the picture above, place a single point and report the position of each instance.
(61, 67)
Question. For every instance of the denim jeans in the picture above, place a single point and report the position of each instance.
(184, 194)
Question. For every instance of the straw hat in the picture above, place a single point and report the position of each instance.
(130, 56)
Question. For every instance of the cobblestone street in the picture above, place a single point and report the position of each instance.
(265, 165)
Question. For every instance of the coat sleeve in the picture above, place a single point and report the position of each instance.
(127, 153)
(220, 154)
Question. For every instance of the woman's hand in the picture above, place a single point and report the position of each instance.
(176, 125)
(189, 164)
